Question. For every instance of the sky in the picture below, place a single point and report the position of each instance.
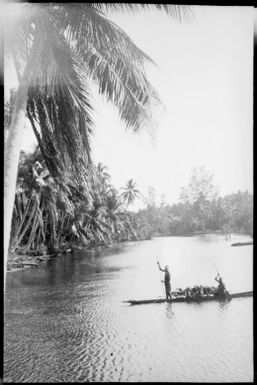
(204, 77)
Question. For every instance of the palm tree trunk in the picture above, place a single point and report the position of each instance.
(37, 242)
(27, 226)
(18, 205)
(15, 237)
(52, 225)
(24, 199)
(15, 219)
(32, 233)
(60, 228)
(11, 160)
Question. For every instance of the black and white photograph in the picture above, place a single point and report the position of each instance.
(128, 192)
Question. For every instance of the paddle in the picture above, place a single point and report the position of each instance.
(219, 274)
(160, 275)
(215, 268)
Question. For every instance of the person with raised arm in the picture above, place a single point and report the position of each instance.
(166, 280)
(221, 289)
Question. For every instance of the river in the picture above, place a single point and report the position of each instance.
(65, 320)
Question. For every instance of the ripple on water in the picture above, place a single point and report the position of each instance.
(66, 329)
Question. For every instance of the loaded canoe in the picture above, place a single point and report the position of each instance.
(191, 299)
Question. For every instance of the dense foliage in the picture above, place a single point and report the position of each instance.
(200, 209)
(233, 213)
(50, 217)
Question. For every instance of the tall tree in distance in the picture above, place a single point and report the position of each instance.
(130, 192)
(199, 193)
(150, 200)
(200, 186)
(102, 180)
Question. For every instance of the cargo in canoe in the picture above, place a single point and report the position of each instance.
(193, 299)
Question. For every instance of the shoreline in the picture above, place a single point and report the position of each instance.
(19, 262)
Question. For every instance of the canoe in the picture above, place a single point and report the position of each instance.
(242, 243)
(199, 299)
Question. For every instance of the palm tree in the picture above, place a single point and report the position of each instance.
(130, 192)
(119, 221)
(102, 173)
(101, 181)
(56, 48)
(89, 224)
(41, 206)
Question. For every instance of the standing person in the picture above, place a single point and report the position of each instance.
(166, 280)
(221, 289)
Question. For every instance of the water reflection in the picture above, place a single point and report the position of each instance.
(207, 238)
(65, 321)
(169, 311)
(224, 305)
(61, 270)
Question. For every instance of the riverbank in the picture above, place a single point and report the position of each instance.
(17, 262)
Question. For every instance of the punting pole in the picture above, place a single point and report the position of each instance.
(160, 278)
(215, 268)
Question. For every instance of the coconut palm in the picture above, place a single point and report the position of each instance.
(113, 208)
(90, 226)
(40, 207)
(101, 181)
(120, 221)
(130, 192)
(56, 48)
(102, 173)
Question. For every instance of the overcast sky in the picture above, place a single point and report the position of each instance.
(205, 80)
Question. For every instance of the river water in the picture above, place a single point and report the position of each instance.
(65, 320)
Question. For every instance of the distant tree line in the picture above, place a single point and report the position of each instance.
(233, 213)
(200, 209)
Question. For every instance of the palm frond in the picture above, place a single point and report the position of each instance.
(180, 12)
(84, 22)
(125, 85)
(19, 35)
(59, 104)
(114, 62)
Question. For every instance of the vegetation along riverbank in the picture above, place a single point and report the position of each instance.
(50, 219)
